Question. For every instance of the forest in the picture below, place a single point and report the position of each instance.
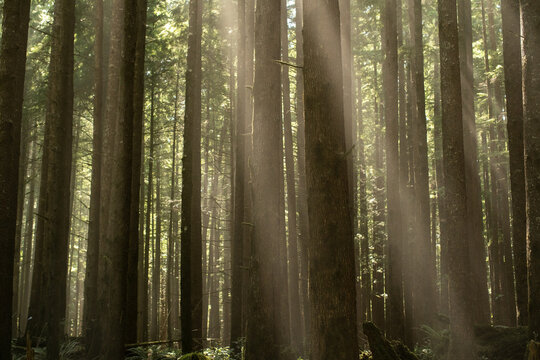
(270, 179)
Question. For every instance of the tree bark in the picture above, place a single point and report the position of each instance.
(530, 11)
(424, 301)
(265, 318)
(461, 317)
(58, 146)
(474, 203)
(191, 241)
(90, 312)
(331, 242)
(12, 71)
(395, 320)
(514, 108)
(113, 264)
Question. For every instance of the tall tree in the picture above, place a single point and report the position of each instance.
(303, 220)
(56, 175)
(240, 147)
(472, 179)
(394, 248)
(16, 15)
(461, 319)
(530, 11)
(514, 108)
(191, 241)
(264, 323)
(132, 282)
(113, 268)
(331, 243)
(90, 313)
(424, 302)
(293, 280)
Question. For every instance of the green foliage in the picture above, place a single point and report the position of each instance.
(194, 356)
(70, 350)
(153, 353)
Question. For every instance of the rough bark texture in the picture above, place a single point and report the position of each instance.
(90, 312)
(474, 203)
(12, 72)
(191, 241)
(424, 301)
(514, 109)
(237, 241)
(461, 317)
(530, 10)
(331, 243)
(395, 320)
(264, 318)
(58, 140)
(113, 264)
(132, 284)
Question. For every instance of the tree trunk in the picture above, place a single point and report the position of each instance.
(113, 267)
(156, 264)
(331, 242)
(424, 303)
(530, 11)
(265, 318)
(58, 147)
(12, 71)
(191, 242)
(461, 317)
(294, 281)
(474, 203)
(514, 108)
(303, 235)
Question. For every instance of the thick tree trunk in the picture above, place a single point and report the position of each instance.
(58, 135)
(395, 320)
(240, 147)
(132, 284)
(12, 71)
(331, 243)
(461, 317)
(264, 323)
(90, 312)
(514, 108)
(113, 268)
(474, 203)
(530, 11)
(191, 242)
(424, 303)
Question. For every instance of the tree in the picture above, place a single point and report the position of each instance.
(461, 319)
(12, 72)
(331, 244)
(114, 259)
(240, 148)
(472, 180)
(293, 280)
(394, 248)
(530, 11)
(91, 311)
(264, 324)
(56, 175)
(514, 108)
(191, 241)
(424, 303)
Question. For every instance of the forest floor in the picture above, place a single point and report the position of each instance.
(493, 343)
